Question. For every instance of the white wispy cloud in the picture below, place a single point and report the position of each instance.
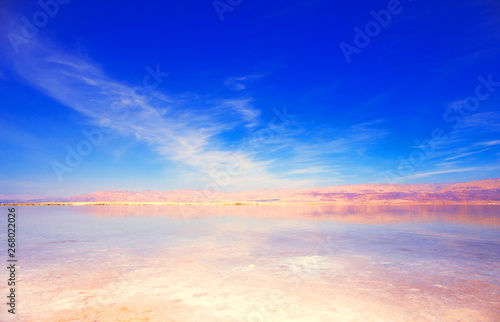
(328, 155)
(462, 148)
(239, 83)
(420, 175)
(489, 143)
(310, 171)
(356, 138)
(464, 154)
(188, 131)
(174, 127)
(244, 108)
(480, 122)
(459, 142)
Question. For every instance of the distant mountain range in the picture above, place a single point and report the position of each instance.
(482, 191)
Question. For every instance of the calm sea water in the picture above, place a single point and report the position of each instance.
(257, 263)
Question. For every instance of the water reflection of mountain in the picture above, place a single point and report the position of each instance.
(372, 214)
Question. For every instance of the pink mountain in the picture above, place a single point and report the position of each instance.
(482, 191)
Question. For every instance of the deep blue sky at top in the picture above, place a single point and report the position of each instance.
(352, 122)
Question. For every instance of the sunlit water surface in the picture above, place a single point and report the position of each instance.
(258, 263)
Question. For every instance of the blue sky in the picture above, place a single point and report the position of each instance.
(171, 96)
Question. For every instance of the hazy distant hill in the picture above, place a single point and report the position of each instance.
(474, 192)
